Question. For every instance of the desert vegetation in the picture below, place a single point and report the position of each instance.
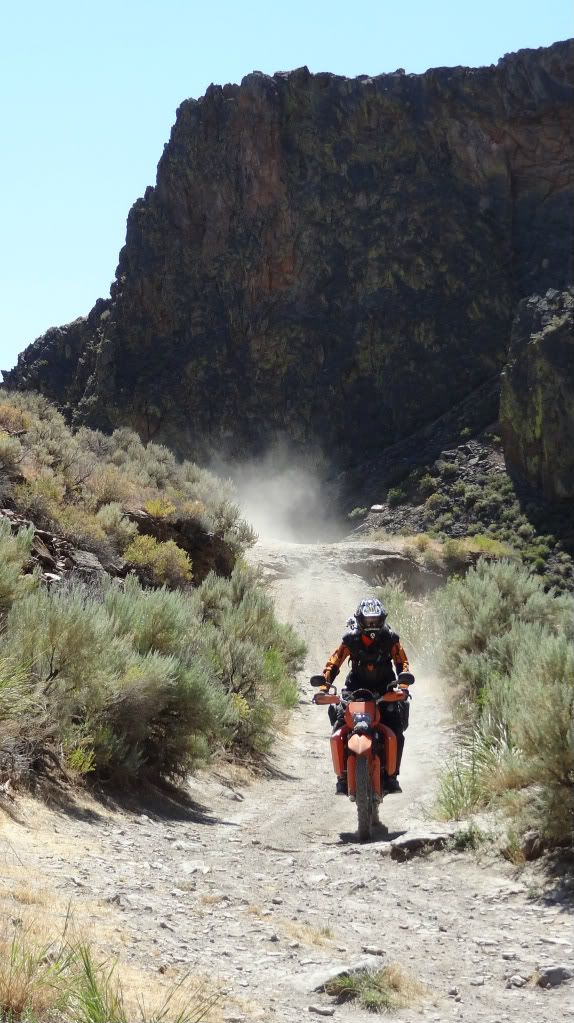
(510, 653)
(48, 979)
(506, 646)
(136, 678)
(121, 682)
(379, 991)
(465, 505)
(86, 485)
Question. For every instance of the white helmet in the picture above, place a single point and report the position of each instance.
(370, 615)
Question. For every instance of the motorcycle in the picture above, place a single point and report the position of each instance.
(363, 746)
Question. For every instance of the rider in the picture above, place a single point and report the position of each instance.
(372, 649)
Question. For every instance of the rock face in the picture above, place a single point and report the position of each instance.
(537, 396)
(331, 260)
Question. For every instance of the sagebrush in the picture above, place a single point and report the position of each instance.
(85, 484)
(125, 683)
(507, 648)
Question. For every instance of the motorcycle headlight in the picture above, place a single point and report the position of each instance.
(362, 721)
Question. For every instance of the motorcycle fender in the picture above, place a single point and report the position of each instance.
(360, 745)
(338, 752)
(390, 749)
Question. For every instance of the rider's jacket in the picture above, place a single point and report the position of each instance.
(371, 659)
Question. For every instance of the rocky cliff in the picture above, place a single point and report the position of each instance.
(537, 396)
(333, 260)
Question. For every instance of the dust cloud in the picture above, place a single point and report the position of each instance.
(287, 496)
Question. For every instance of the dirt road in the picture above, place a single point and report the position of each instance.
(265, 885)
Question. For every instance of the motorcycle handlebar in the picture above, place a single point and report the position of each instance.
(395, 692)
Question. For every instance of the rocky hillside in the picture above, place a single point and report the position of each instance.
(537, 400)
(338, 261)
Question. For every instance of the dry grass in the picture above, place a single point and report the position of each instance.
(47, 978)
(379, 990)
(308, 934)
(30, 896)
(26, 983)
(213, 900)
(382, 535)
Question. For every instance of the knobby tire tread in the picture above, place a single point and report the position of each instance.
(364, 797)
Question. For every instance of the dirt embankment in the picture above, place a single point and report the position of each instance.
(263, 885)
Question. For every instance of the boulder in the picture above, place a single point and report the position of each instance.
(553, 976)
(420, 841)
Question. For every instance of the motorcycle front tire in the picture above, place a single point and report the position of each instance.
(364, 798)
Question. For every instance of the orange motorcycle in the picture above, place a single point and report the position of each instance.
(363, 747)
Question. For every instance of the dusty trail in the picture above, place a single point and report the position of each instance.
(267, 885)
(314, 594)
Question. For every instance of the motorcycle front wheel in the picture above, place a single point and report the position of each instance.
(364, 797)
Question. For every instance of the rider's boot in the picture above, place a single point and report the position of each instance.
(391, 784)
(341, 785)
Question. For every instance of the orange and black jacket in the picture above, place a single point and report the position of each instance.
(371, 660)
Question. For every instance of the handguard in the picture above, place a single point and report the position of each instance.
(396, 695)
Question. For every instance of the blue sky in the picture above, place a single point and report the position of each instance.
(89, 92)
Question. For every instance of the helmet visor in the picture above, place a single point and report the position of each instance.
(372, 623)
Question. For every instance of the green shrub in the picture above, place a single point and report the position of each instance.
(448, 470)
(381, 991)
(10, 453)
(482, 544)
(109, 486)
(254, 657)
(15, 551)
(116, 525)
(12, 419)
(472, 495)
(159, 508)
(40, 497)
(115, 681)
(489, 504)
(357, 513)
(435, 502)
(443, 521)
(510, 647)
(419, 628)
(87, 470)
(81, 528)
(428, 484)
(395, 496)
(128, 684)
(455, 552)
(165, 562)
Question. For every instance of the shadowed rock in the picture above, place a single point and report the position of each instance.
(537, 399)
